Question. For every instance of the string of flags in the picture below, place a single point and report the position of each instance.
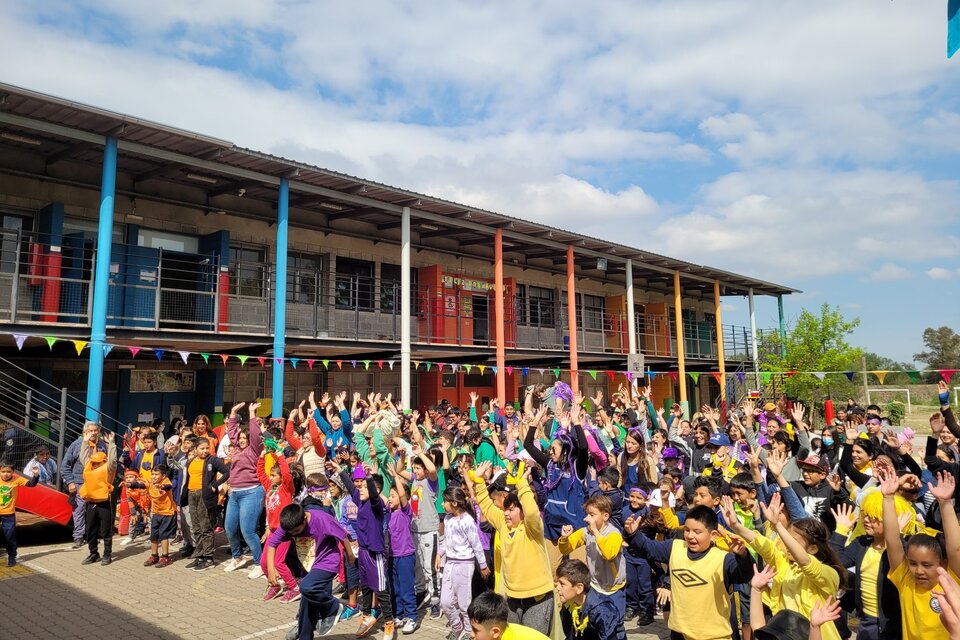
(263, 361)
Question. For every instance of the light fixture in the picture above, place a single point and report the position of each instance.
(221, 212)
(13, 137)
(331, 205)
(200, 178)
(134, 217)
(430, 227)
(601, 264)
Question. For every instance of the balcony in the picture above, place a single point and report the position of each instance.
(164, 291)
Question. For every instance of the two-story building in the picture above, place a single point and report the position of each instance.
(124, 234)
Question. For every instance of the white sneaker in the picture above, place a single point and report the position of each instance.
(235, 563)
(255, 573)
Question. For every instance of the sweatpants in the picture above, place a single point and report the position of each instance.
(202, 525)
(8, 531)
(280, 562)
(185, 527)
(79, 518)
(373, 579)
(402, 569)
(99, 520)
(316, 601)
(457, 593)
(535, 612)
(639, 589)
(427, 546)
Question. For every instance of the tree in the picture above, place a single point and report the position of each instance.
(943, 348)
(816, 342)
(877, 362)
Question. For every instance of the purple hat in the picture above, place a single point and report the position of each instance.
(563, 391)
(670, 452)
(359, 473)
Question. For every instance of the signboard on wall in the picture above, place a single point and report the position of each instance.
(635, 363)
(163, 381)
(467, 284)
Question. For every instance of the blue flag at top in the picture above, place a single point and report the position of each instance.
(953, 27)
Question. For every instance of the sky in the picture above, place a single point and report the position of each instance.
(814, 145)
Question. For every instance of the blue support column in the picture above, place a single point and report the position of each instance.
(101, 283)
(783, 326)
(280, 296)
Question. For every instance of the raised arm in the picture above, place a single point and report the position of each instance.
(891, 526)
(944, 492)
(538, 456)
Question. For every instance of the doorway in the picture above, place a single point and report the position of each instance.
(186, 295)
(481, 319)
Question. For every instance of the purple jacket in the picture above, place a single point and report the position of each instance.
(243, 466)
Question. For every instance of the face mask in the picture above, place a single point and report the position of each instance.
(827, 442)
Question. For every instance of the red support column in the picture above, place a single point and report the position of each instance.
(500, 317)
(572, 320)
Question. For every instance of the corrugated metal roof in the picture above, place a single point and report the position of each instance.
(156, 136)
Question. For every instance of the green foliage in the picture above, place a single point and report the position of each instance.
(879, 363)
(895, 411)
(816, 342)
(943, 348)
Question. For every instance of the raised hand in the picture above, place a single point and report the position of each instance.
(747, 406)
(776, 460)
(598, 400)
(566, 531)
(888, 482)
(943, 390)
(937, 424)
(728, 512)
(237, 407)
(851, 432)
(774, 510)
(253, 408)
(483, 469)
(798, 412)
(631, 525)
(945, 487)
(824, 611)
(325, 398)
(949, 602)
(761, 579)
(473, 398)
(845, 516)
(835, 482)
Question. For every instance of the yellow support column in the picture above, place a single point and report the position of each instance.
(681, 365)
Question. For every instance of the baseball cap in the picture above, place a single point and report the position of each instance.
(359, 473)
(819, 462)
(98, 456)
(670, 452)
(770, 407)
(719, 440)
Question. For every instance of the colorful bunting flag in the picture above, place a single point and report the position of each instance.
(593, 374)
(79, 345)
(880, 375)
(651, 375)
(310, 364)
(790, 374)
(525, 371)
(695, 375)
(741, 377)
(134, 351)
(468, 368)
(107, 348)
(766, 377)
(353, 363)
(494, 369)
(224, 357)
(820, 375)
(674, 375)
(453, 368)
(20, 339)
(279, 361)
(428, 367)
(629, 375)
(556, 372)
(50, 341)
(294, 361)
(391, 363)
(184, 355)
(206, 358)
(325, 363)
(159, 353)
(416, 365)
(262, 360)
(849, 375)
(946, 374)
(340, 364)
(380, 364)
(243, 359)
(716, 376)
(611, 374)
(509, 371)
(914, 376)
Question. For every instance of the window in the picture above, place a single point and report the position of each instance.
(535, 305)
(242, 386)
(592, 311)
(354, 284)
(484, 379)
(390, 288)
(248, 273)
(303, 274)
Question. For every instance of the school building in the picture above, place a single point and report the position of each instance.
(120, 233)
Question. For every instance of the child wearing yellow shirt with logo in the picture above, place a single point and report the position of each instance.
(10, 484)
(913, 567)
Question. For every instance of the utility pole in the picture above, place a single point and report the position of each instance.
(866, 390)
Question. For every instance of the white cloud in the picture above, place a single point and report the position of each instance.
(890, 272)
(939, 273)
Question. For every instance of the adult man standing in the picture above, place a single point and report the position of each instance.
(74, 461)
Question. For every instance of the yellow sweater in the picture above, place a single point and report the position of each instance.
(526, 566)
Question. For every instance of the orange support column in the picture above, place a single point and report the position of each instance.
(500, 317)
(572, 320)
(681, 364)
(720, 355)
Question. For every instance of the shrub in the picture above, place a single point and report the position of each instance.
(896, 410)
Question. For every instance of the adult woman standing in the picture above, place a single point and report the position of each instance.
(246, 499)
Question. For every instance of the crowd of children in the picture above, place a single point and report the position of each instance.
(565, 517)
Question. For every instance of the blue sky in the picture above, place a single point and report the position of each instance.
(811, 144)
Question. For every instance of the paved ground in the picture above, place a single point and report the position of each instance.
(50, 595)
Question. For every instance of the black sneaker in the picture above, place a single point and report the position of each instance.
(204, 564)
(186, 552)
(90, 559)
(193, 564)
(422, 599)
(327, 624)
(107, 559)
(644, 619)
(630, 614)
(435, 612)
(77, 544)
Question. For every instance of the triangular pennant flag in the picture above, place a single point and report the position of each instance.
(674, 375)
(243, 359)
(416, 365)
(611, 374)
(427, 365)
(593, 374)
(366, 364)
(556, 372)
(453, 368)
(525, 371)
(849, 375)
(262, 360)
(695, 375)
(134, 351)
(482, 368)
(509, 371)
(279, 361)
(494, 369)
(766, 377)
(353, 363)
(914, 376)
(206, 358)
(50, 341)
(159, 353)
(790, 374)
(294, 362)
(380, 364)
(391, 363)
(716, 376)
(880, 375)
(468, 368)
(310, 364)
(20, 339)
(325, 363)
(184, 355)
(629, 375)
(224, 357)
(820, 375)
(651, 375)
(340, 364)
(440, 366)
(946, 374)
(79, 345)
(107, 348)
(741, 377)
(540, 371)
